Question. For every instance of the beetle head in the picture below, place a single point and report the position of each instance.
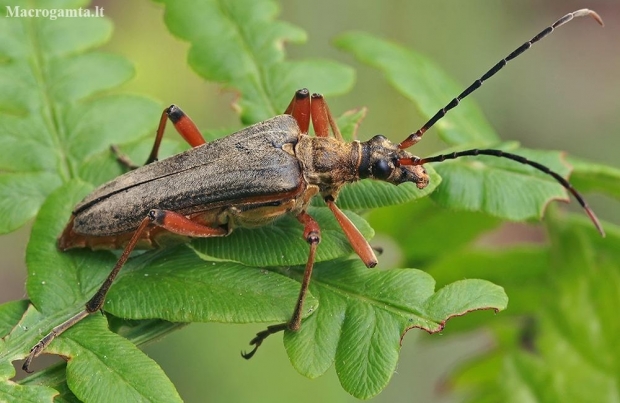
(381, 160)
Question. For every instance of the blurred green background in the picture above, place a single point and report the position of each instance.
(563, 94)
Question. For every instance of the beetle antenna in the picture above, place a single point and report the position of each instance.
(501, 154)
(417, 136)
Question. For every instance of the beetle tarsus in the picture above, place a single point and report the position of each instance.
(38, 348)
(261, 336)
(34, 352)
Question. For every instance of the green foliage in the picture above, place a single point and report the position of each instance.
(54, 116)
(561, 343)
(425, 84)
(593, 177)
(58, 109)
(239, 44)
(363, 314)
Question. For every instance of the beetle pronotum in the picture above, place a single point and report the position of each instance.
(271, 168)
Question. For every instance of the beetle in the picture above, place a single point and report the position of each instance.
(251, 178)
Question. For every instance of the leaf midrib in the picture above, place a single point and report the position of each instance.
(50, 118)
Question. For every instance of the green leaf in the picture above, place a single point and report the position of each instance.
(164, 284)
(55, 378)
(29, 187)
(522, 272)
(54, 108)
(13, 392)
(115, 363)
(587, 291)
(137, 332)
(349, 122)
(364, 314)
(369, 194)
(425, 84)
(10, 314)
(99, 362)
(592, 177)
(179, 286)
(239, 44)
(572, 338)
(57, 280)
(282, 243)
(425, 231)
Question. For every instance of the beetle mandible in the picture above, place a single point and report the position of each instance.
(252, 177)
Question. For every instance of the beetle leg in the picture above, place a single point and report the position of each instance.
(93, 305)
(182, 123)
(303, 107)
(169, 220)
(123, 159)
(184, 126)
(312, 235)
(356, 239)
(181, 225)
(299, 108)
(322, 118)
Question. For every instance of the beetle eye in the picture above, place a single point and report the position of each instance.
(381, 169)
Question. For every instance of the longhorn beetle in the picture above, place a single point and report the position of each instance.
(252, 177)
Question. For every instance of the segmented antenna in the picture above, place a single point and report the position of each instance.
(517, 158)
(415, 137)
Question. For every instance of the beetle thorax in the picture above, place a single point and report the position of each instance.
(328, 163)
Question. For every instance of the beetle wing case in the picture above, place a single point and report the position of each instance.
(248, 164)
